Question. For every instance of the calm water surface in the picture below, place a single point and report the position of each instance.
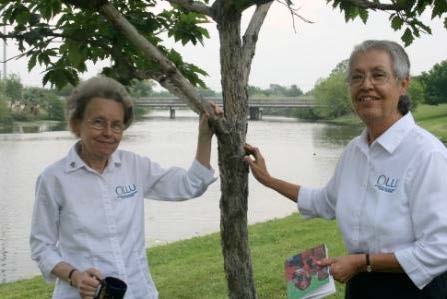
(300, 152)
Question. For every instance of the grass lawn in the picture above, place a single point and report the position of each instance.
(194, 268)
(431, 118)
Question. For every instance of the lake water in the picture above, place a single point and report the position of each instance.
(305, 153)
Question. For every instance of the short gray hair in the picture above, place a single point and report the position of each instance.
(98, 87)
(400, 64)
(399, 58)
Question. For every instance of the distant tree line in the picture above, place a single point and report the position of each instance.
(434, 84)
(332, 96)
(20, 103)
(275, 90)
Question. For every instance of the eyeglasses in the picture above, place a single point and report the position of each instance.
(376, 78)
(100, 124)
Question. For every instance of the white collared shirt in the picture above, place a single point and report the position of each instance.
(96, 220)
(390, 196)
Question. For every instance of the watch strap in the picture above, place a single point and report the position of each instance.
(368, 263)
(70, 274)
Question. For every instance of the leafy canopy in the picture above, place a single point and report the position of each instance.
(435, 83)
(62, 38)
(332, 94)
(404, 14)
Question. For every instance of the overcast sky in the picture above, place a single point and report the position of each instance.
(286, 57)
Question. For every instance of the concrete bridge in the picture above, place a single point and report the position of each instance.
(255, 104)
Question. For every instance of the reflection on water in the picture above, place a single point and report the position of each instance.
(332, 135)
(305, 153)
(34, 127)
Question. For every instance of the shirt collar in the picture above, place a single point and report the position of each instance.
(74, 162)
(114, 162)
(392, 137)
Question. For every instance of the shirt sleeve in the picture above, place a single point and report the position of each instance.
(321, 202)
(176, 184)
(44, 230)
(317, 202)
(427, 257)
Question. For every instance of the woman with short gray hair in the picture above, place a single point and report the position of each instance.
(389, 189)
(88, 218)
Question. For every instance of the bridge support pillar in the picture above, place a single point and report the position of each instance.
(255, 113)
(171, 113)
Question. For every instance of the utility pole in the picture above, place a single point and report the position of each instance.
(4, 53)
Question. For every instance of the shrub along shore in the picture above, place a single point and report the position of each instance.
(432, 118)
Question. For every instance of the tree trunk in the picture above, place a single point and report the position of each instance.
(235, 67)
(233, 170)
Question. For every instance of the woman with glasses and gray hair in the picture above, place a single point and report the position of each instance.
(389, 190)
(88, 218)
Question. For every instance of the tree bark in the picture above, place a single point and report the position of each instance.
(231, 131)
(233, 170)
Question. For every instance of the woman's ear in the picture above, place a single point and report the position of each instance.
(75, 126)
(404, 85)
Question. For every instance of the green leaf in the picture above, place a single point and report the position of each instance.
(32, 62)
(407, 37)
(46, 77)
(396, 23)
(74, 54)
(75, 57)
(439, 7)
(22, 17)
(335, 4)
(422, 5)
(33, 19)
(70, 76)
(363, 15)
(349, 9)
(416, 32)
(407, 5)
(425, 28)
(43, 58)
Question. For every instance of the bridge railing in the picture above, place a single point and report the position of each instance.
(303, 101)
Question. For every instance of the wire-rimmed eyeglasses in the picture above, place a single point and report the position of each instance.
(376, 78)
(100, 124)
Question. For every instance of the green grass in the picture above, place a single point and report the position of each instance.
(431, 118)
(194, 268)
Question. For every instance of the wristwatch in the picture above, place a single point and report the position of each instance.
(368, 264)
(70, 275)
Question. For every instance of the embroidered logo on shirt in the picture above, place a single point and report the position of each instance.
(126, 191)
(386, 183)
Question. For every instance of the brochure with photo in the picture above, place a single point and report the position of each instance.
(305, 279)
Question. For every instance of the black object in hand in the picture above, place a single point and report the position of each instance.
(111, 288)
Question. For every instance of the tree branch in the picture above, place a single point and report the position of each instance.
(220, 7)
(376, 5)
(172, 79)
(293, 12)
(251, 37)
(194, 6)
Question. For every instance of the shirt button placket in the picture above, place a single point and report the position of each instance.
(111, 223)
(363, 206)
